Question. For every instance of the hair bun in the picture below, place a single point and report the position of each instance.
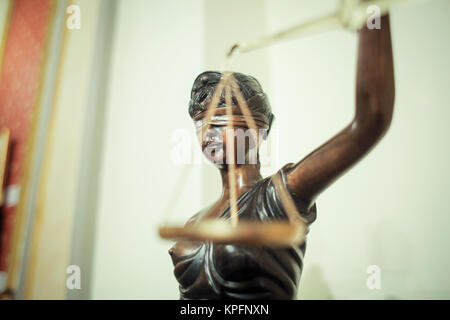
(205, 85)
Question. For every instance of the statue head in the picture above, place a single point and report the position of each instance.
(213, 134)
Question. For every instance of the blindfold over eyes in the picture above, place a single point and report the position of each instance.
(236, 120)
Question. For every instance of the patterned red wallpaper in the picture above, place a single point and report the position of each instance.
(19, 83)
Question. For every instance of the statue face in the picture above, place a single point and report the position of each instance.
(217, 141)
(213, 144)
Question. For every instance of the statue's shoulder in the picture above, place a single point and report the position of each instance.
(199, 215)
(195, 217)
(308, 213)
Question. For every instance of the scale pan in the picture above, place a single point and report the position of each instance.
(273, 233)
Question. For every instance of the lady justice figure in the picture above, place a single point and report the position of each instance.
(209, 270)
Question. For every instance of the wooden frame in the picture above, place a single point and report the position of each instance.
(4, 143)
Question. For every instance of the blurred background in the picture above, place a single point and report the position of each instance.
(94, 95)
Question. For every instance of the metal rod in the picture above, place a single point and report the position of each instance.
(352, 14)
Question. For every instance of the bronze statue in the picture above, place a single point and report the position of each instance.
(208, 270)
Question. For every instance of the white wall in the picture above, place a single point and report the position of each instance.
(390, 210)
(158, 48)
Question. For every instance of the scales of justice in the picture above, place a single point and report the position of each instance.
(250, 244)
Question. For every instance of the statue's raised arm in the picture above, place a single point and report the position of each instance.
(374, 108)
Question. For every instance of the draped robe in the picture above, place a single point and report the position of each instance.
(207, 270)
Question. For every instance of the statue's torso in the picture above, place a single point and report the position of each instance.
(207, 270)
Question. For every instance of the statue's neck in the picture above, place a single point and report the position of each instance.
(246, 176)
